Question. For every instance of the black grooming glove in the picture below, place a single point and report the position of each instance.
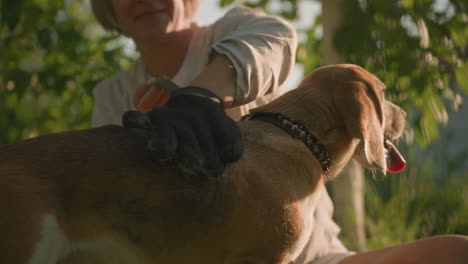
(191, 129)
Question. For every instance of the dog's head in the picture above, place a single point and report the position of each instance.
(357, 98)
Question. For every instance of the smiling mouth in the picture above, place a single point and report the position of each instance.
(395, 161)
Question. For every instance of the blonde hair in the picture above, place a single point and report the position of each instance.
(104, 12)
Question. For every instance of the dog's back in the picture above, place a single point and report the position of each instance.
(73, 190)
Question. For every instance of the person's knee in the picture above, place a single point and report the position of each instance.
(453, 248)
(450, 249)
(459, 244)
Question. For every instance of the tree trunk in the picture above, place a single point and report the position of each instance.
(348, 188)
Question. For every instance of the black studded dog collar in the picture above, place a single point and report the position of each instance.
(297, 130)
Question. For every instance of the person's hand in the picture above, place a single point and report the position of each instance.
(191, 129)
(150, 95)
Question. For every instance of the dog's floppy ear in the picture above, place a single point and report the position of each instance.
(361, 108)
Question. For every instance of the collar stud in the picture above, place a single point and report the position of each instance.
(297, 130)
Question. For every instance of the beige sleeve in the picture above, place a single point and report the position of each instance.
(262, 49)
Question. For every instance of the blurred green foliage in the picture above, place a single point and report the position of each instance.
(418, 48)
(416, 203)
(52, 55)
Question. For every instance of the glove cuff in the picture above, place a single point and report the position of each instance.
(196, 91)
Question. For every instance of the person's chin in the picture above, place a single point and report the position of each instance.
(150, 22)
(156, 32)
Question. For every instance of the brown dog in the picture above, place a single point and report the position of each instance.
(96, 196)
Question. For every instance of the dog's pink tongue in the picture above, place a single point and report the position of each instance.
(395, 161)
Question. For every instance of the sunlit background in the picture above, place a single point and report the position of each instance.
(52, 54)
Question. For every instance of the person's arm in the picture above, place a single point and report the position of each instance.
(252, 55)
(261, 49)
(219, 76)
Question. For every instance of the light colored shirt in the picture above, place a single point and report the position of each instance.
(324, 246)
(261, 48)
